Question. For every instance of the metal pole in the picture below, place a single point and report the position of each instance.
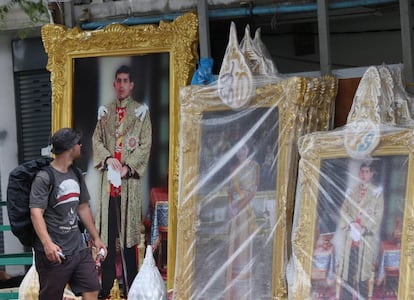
(324, 40)
(68, 14)
(407, 42)
(203, 28)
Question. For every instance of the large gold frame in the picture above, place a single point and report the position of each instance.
(178, 38)
(319, 147)
(289, 98)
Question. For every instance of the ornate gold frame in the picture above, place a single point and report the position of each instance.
(319, 147)
(288, 97)
(178, 38)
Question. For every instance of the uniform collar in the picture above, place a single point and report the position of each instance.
(123, 103)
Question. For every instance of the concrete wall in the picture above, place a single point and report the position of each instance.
(101, 9)
(8, 145)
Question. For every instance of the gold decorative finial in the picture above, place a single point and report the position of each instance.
(115, 292)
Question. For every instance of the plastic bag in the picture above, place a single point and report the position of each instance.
(29, 288)
(204, 73)
(148, 284)
(69, 295)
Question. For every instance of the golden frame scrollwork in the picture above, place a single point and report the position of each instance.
(285, 99)
(178, 39)
(319, 153)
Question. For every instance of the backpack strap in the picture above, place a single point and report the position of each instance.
(49, 172)
(78, 173)
(51, 176)
(51, 180)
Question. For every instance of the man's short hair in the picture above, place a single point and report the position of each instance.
(124, 70)
(369, 165)
(64, 139)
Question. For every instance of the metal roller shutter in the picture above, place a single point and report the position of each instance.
(33, 112)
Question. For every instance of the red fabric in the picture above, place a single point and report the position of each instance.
(116, 192)
(158, 194)
(389, 246)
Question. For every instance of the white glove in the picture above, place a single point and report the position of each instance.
(355, 231)
(114, 176)
(102, 111)
(141, 111)
(378, 191)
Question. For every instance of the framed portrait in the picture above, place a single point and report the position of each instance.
(162, 59)
(229, 157)
(353, 236)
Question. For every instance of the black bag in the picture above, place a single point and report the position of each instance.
(18, 195)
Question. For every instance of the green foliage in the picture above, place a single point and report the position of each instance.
(37, 11)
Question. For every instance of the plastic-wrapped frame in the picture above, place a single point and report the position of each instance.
(349, 238)
(352, 234)
(236, 186)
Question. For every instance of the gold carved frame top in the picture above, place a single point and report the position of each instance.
(178, 38)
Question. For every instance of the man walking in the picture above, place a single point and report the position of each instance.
(61, 254)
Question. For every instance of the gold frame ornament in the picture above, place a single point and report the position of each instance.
(178, 38)
(308, 240)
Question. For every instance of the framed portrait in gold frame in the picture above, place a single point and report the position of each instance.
(227, 156)
(82, 66)
(353, 234)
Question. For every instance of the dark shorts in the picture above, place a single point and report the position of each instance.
(78, 270)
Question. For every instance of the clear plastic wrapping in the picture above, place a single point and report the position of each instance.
(351, 236)
(236, 185)
(237, 173)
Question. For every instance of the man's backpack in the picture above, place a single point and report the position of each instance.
(18, 196)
